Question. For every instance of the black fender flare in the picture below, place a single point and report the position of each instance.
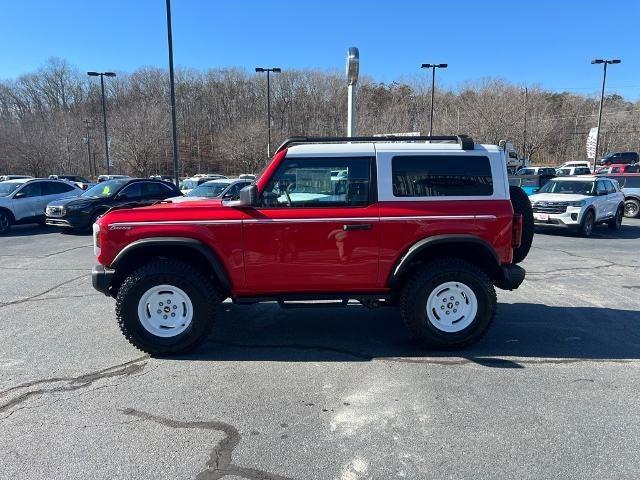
(403, 263)
(192, 243)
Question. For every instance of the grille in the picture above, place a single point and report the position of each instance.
(55, 211)
(550, 207)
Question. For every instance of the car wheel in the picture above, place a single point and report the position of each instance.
(5, 222)
(449, 304)
(586, 227)
(631, 208)
(616, 222)
(522, 206)
(166, 307)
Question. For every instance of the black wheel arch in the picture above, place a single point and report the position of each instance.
(188, 249)
(8, 212)
(466, 247)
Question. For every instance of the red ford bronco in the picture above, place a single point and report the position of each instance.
(429, 225)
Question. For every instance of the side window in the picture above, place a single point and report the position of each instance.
(600, 188)
(154, 190)
(54, 188)
(133, 190)
(32, 190)
(632, 182)
(441, 175)
(609, 186)
(320, 182)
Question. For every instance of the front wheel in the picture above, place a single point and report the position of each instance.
(5, 222)
(616, 222)
(166, 307)
(586, 227)
(448, 304)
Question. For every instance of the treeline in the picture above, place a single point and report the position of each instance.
(222, 120)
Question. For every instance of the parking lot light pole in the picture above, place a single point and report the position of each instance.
(104, 114)
(599, 61)
(268, 71)
(172, 95)
(433, 67)
(88, 125)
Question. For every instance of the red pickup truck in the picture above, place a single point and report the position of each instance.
(429, 225)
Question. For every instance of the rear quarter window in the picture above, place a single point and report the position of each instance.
(441, 176)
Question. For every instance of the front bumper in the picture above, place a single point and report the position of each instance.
(571, 218)
(101, 278)
(512, 277)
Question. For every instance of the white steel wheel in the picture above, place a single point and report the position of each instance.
(165, 311)
(452, 307)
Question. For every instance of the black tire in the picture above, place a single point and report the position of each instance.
(616, 222)
(586, 226)
(201, 292)
(522, 206)
(5, 222)
(415, 296)
(631, 208)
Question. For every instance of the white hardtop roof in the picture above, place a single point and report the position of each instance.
(370, 148)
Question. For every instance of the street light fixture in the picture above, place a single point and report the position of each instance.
(433, 67)
(268, 71)
(599, 61)
(104, 114)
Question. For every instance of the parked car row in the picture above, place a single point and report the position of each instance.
(63, 203)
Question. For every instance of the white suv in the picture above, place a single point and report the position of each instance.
(579, 203)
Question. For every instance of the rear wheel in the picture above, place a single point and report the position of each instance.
(616, 222)
(166, 307)
(631, 208)
(449, 304)
(522, 206)
(586, 227)
(5, 222)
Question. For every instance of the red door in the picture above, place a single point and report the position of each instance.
(317, 229)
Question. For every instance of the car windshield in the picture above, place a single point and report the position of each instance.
(209, 190)
(104, 189)
(6, 188)
(572, 186)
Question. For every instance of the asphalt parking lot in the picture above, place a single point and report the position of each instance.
(550, 392)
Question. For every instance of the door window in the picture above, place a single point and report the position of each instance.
(133, 190)
(54, 188)
(154, 190)
(600, 188)
(320, 182)
(31, 190)
(609, 186)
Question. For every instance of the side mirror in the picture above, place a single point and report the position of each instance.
(19, 195)
(248, 196)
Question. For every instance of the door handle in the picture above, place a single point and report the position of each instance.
(357, 226)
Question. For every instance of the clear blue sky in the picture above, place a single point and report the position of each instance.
(543, 42)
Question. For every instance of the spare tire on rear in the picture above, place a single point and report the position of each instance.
(522, 206)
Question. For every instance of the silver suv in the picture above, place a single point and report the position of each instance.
(24, 200)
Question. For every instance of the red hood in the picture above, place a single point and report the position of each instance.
(196, 210)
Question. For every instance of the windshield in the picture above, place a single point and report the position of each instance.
(208, 190)
(579, 187)
(104, 189)
(6, 188)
